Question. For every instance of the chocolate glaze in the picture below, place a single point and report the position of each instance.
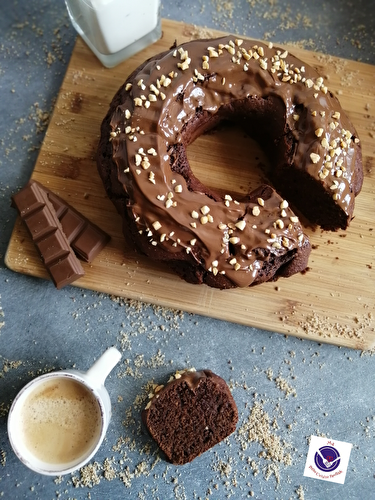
(192, 378)
(175, 96)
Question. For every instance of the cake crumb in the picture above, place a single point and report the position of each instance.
(284, 386)
(197, 32)
(88, 476)
(300, 493)
(257, 428)
(109, 472)
(326, 327)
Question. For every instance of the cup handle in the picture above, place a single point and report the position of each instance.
(103, 366)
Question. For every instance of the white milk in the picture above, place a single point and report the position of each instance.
(116, 29)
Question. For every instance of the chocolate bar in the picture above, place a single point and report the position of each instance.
(45, 229)
(85, 237)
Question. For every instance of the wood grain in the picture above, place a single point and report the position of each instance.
(332, 302)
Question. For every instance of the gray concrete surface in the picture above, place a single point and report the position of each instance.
(299, 388)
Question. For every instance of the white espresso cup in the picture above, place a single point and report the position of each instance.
(58, 420)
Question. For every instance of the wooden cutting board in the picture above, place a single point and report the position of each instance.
(333, 302)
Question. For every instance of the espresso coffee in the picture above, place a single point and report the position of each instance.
(60, 421)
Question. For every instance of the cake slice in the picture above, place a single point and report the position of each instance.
(190, 414)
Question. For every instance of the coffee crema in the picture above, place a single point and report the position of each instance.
(60, 421)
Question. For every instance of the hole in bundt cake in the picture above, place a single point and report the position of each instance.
(227, 160)
(230, 152)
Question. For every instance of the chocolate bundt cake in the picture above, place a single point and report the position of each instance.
(190, 414)
(206, 237)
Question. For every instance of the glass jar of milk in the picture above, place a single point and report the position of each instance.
(116, 29)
